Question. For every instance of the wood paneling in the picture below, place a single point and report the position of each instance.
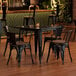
(74, 9)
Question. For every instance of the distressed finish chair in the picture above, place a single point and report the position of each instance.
(6, 29)
(56, 35)
(19, 46)
(61, 44)
(27, 18)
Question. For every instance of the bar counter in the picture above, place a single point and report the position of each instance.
(25, 11)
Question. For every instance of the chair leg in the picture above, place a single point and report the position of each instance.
(43, 47)
(19, 54)
(9, 55)
(25, 51)
(62, 53)
(48, 53)
(5, 48)
(31, 55)
(34, 21)
(69, 53)
(56, 50)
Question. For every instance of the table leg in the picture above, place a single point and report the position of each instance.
(40, 45)
(36, 38)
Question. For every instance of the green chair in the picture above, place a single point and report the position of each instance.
(56, 35)
(6, 29)
(26, 19)
(19, 46)
(61, 44)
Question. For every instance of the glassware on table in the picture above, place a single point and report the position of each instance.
(38, 25)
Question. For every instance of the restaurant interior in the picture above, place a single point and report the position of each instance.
(37, 37)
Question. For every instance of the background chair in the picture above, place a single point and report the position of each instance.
(53, 19)
(6, 29)
(19, 46)
(61, 45)
(55, 16)
(27, 18)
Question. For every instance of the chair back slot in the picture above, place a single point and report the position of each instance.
(34, 10)
(67, 35)
(58, 31)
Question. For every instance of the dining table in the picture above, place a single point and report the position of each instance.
(37, 36)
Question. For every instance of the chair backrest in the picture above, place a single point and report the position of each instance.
(27, 33)
(10, 35)
(58, 31)
(68, 34)
(12, 38)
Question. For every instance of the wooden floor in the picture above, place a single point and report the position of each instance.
(53, 68)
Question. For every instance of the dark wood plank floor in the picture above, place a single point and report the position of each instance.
(53, 68)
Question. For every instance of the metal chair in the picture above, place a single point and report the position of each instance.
(56, 35)
(61, 44)
(53, 19)
(6, 29)
(19, 46)
(27, 18)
